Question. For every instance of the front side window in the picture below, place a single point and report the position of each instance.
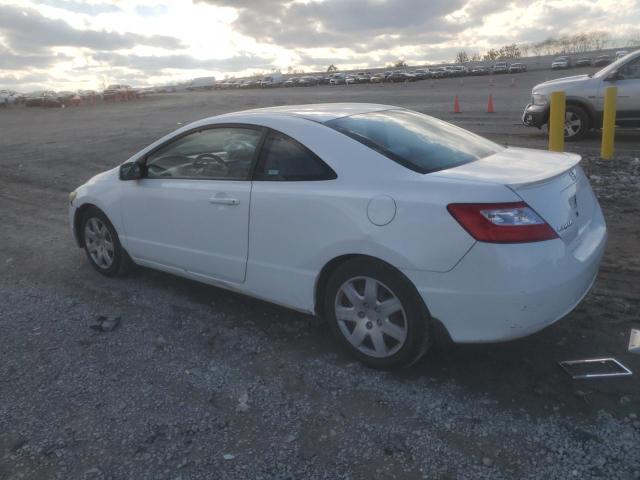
(419, 142)
(216, 153)
(630, 71)
(284, 159)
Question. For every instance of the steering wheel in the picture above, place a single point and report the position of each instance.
(207, 160)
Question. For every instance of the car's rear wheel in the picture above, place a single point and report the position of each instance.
(376, 314)
(102, 245)
(576, 123)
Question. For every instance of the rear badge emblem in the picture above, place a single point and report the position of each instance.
(562, 228)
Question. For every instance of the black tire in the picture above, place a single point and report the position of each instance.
(585, 123)
(416, 318)
(120, 261)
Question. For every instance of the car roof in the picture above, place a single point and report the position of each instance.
(319, 112)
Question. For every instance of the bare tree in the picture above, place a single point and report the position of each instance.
(599, 40)
(400, 64)
(633, 40)
(491, 54)
(461, 57)
(476, 57)
(332, 68)
(509, 51)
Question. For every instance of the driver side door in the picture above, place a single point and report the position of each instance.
(190, 212)
(627, 81)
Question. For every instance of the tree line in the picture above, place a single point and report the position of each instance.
(565, 44)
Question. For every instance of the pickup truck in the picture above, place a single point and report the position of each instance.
(585, 98)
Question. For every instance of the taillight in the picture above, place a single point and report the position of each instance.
(501, 222)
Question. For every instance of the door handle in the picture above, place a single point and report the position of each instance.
(224, 201)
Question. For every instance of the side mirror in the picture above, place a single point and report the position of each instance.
(131, 171)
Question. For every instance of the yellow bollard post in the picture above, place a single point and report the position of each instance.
(608, 123)
(556, 122)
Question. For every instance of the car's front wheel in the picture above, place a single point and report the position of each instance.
(102, 245)
(576, 123)
(377, 314)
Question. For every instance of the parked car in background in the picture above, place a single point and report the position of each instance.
(115, 92)
(583, 62)
(92, 95)
(396, 76)
(421, 73)
(560, 63)
(166, 89)
(458, 70)
(338, 79)
(500, 67)
(426, 226)
(46, 98)
(362, 77)
(401, 76)
(517, 68)
(66, 96)
(480, 70)
(350, 80)
(439, 72)
(290, 82)
(308, 81)
(585, 95)
(621, 53)
(8, 97)
(249, 83)
(202, 83)
(602, 60)
(271, 81)
(377, 78)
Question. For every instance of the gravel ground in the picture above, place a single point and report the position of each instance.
(153, 376)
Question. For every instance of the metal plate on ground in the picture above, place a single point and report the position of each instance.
(634, 341)
(595, 368)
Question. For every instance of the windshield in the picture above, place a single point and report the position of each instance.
(419, 142)
(615, 65)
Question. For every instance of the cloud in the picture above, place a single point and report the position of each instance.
(11, 61)
(154, 64)
(77, 6)
(346, 23)
(151, 10)
(26, 30)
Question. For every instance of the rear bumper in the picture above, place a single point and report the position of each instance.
(535, 115)
(503, 292)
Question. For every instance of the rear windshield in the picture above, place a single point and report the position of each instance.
(419, 142)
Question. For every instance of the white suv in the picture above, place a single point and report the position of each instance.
(585, 98)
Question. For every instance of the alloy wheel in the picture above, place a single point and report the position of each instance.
(371, 317)
(572, 124)
(99, 243)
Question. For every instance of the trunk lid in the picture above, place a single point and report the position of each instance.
(553, 184)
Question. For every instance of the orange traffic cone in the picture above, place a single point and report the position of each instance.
(490, 104)
(456, 105)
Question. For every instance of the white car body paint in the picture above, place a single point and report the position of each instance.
(281, 234)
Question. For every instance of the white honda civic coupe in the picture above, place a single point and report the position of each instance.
(388, 223)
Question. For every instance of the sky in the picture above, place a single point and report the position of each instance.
(77, 44)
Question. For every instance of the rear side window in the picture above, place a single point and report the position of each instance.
(419, 142)
(284, 159)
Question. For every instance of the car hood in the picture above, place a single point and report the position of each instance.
(112, 174)
(564, 81)
(514, 167)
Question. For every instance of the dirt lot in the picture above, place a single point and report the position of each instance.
(197, 382)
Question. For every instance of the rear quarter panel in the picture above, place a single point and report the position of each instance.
(296, 228)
